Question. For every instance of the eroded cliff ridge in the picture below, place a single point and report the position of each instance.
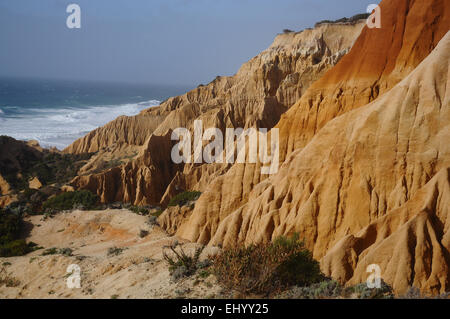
(350, 167)
(372, 187)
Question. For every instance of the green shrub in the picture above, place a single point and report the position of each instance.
(183, 198)
(13, 248)
(139, 210)
(267, 268)
(58, 168)
(359, 16)
(330, 289)
(204, 274)
(415, 293)
(143, 233)
(180, 263)
(50, 251)
(322, 290)
(352, 19)
(158, 213)
(362, 291)
(11, 226)
(66, 252)
(298, 267)
(7, 280)
(115, 251)
(18, 209)
(55, 251)
(65, 201)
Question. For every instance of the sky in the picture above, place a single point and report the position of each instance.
(179, 42)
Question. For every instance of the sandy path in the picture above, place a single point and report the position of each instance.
(138, 272)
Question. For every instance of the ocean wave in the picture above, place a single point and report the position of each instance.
(60, 127)
(91, 115)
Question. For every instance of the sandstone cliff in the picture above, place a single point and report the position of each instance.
(329, 97)
(366, 160)
(263, 89)
(342, 175)
(270, 82)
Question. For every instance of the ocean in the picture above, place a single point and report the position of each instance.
(56, 113)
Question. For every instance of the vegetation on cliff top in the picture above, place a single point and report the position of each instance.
(71, 200)
(352, 19)
(184, 198)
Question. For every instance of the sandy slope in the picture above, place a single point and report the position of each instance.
(139, 272)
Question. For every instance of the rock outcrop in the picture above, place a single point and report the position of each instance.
(140, 181)
(6, 197)
(409, 243)
(4, 186)
(34, 183)
(15, 157)
(173, 217)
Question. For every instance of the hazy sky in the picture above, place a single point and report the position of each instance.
(184, 42)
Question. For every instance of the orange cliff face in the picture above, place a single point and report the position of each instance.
(379, 59)
(373, 183)
(348, 165)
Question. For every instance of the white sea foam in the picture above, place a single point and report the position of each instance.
(60, 127)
